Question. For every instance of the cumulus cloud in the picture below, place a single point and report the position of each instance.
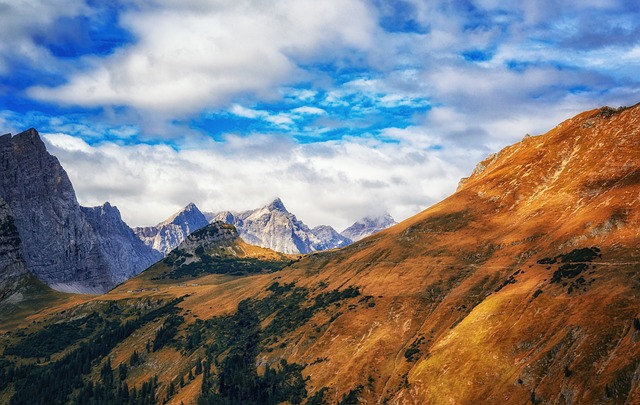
(331, 183)
(21, 21)
(192, 55)
(393, 101)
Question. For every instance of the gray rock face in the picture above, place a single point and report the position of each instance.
(276, 228)
(125, 253)
(328, 238)
(368, 226)
(63, 245)
(12, 267)
(167, 235)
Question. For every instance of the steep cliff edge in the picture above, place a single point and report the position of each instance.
(63, 244)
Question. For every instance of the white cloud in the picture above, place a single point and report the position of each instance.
(225, 56)
(307, 110)
(331, 183)
(20, 21)
(280, 119)
(245, 112)
(192, 55)
(69, 143)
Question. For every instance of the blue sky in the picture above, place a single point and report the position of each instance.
(343, 108)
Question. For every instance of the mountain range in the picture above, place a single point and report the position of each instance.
(168, 234)
(276, 228)
(91, 249)
(521, 287)
(271, 226)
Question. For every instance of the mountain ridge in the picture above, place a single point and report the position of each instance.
(168, 234)
(367, 226)
(274, 227)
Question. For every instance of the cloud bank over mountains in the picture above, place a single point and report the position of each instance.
(331, 182)
(337, 106)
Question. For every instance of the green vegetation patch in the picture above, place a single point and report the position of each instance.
(55, 382)
(233, 343)
(223, 265)
(237, 380)
(413, 352)
(55, 338)
(167, 331)
(570, 266)
(582, 255)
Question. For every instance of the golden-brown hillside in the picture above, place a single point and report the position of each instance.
(522, 287)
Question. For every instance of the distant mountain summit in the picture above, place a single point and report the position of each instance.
(168, 234)
(216, 249)
(68, 247)
(274, 227)
(368, 226)
(328, 238)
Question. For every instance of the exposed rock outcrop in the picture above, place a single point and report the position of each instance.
(125, 253)
(167, 235)
(276, 228)
(12, 268)
(328, 238)
(368, 226)
(63, 245)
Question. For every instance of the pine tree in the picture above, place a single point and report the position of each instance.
(171, 390)
(122, 371)
(198, 366)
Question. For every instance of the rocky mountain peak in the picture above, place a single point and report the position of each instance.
(277, 205)
(29, 140)
(189, 215)
(368, 226)
(66, 246)
(168, 234)
(328, 238)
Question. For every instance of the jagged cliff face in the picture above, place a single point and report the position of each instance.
(167, 235)
(64, 245)
(367, 226)
(12, 268)
(328, 238)
(275, 228)
(126, 255)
